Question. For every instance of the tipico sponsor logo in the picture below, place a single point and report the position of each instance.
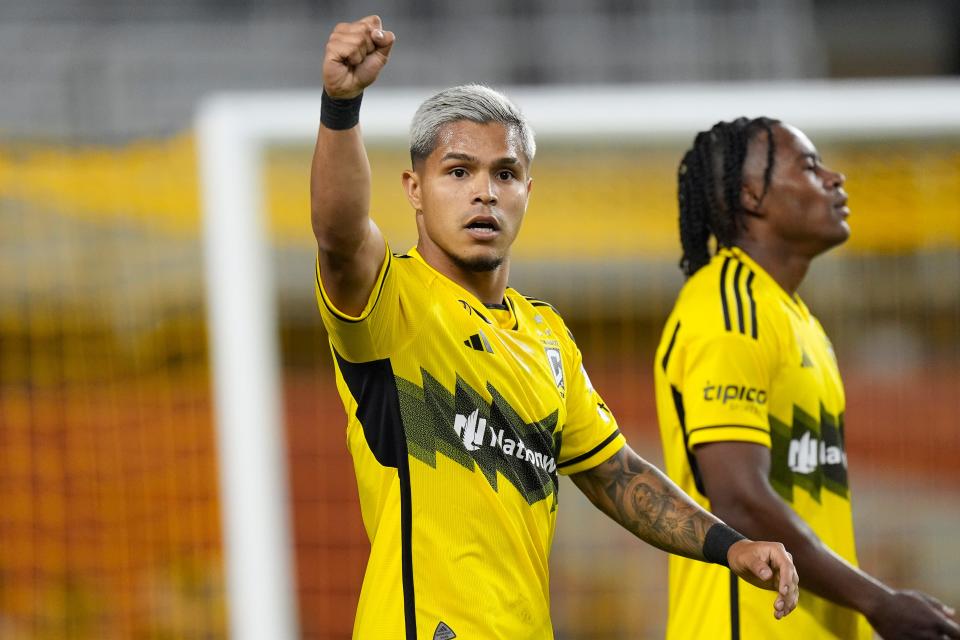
(473, 431)
(725, 393)
(807, 453)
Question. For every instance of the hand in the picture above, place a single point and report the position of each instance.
(356, 52)
(912, 614)
(767, 565)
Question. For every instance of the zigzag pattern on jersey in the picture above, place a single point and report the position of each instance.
(809, 454)
(741, 283)
(429, 415)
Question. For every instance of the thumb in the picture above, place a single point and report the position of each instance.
(384, 42)
(937, 604)
(761, 569)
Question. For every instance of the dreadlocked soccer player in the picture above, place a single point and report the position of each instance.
(750, 399)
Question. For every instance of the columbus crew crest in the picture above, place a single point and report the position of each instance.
(556, 367)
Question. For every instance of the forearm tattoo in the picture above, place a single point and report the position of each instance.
(638, 496)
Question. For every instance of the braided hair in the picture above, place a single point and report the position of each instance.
(709, 182)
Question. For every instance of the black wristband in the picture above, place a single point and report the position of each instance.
(718, 541)
(339, 114)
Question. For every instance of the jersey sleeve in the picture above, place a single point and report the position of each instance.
(725, 389)
(591, 434)
(380, 327)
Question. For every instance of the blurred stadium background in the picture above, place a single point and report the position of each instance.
(109, 508)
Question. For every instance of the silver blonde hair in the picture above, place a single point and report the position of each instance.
(474, 102)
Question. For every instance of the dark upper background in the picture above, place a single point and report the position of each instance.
(94, 69)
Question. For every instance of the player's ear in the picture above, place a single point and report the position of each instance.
(411, 187)
(529, 189)
(749, 199)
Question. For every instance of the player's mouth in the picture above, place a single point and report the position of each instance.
(840, 206)
(483, 227)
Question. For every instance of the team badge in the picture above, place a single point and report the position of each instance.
(556, 367)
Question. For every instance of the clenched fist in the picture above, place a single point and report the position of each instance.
(356, 52)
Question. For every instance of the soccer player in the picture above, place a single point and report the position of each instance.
(464, 398)
(750, 399)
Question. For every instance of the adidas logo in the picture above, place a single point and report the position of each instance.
(479, 342)
(805, 360)
(443, 632)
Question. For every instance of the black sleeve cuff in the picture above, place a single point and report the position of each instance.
(718, 541)
(339, 114)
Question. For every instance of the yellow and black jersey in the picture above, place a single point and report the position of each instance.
(742, 360)
(459, 418)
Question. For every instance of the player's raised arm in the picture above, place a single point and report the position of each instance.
(351, 247)
(652, 507)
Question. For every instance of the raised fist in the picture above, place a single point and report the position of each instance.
(356, 52)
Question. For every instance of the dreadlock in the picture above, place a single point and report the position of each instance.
(709, 181)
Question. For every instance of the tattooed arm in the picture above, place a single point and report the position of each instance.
(650, 506)
(647, 503)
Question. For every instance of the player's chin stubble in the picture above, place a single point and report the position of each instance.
(479, 264)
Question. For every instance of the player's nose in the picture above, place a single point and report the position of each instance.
(486, 192)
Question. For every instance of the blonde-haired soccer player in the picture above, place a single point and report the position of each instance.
(464, 398)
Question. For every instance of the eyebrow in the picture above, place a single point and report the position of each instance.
(465, 157)
(458, 156)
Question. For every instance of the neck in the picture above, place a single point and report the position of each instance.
(787, 268)
(489, 287)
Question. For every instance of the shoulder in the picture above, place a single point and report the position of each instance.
(724, 297)
(537, 303)
(541, 312)
(705, 302)
(411, 271)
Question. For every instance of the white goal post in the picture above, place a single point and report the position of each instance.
(234, 129)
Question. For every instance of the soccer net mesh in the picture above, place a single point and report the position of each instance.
(112, 468)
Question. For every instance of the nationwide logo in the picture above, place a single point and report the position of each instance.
(808, 453)
(474, 432)
(464, 427)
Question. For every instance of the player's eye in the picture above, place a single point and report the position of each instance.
(504, 174)
(458, 172)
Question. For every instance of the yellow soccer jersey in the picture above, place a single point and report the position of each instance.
(460, 416)
(742, 360)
